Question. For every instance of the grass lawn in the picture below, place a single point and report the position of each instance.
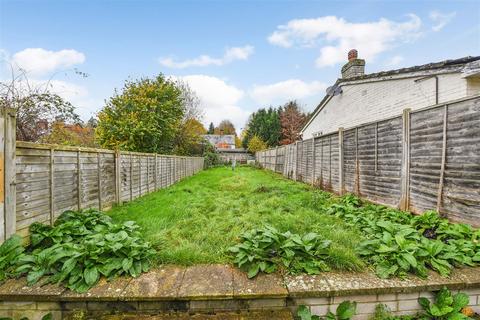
(198, 219)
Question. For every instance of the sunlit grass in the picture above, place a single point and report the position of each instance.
(198, 219)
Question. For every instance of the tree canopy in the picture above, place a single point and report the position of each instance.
(265, 124)
(275, 126)
(256, 144)
(145, 116)
(225, 127)
(292, 119)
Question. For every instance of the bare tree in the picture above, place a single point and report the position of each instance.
(292, 118)
(36, 107)
(191, 102)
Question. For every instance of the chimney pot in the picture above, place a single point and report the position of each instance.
(352, 54)
(354, 67)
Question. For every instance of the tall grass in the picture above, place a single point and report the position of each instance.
(198, 219)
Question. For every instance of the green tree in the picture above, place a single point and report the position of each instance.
(211, 128)
(256, 144)
(189, 139)
(145, 117)
(265, 123)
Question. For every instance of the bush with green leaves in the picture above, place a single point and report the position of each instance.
(211, 156)
(10, 252)
(267, 249)
(446, 306)
(345, 311)
(48, 316)
(398, 243)
(81, 247)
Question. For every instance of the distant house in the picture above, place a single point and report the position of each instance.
(225, 141)
(359, 98)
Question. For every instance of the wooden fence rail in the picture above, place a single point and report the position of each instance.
(38, 181)
(420, 160)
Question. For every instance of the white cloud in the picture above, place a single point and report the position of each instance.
(230, 55)
(394, 61)
(218, 99)
(440, 19)
(336, 36)
(39, 61)
(283, 91)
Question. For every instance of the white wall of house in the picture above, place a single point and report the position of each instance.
(368, 100)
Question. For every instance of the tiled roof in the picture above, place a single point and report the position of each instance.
(217, 138)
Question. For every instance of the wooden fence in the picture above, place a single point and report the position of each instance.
(421, 160)
(40, 181)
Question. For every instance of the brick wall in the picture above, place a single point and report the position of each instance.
(397, 303)
(33, 310)
(371, 101)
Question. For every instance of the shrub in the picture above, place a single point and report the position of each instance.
(256, 144)
(398, 243)
(79, 248)
(210, 156)
(266, 249)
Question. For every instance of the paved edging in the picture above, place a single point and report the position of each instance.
(223, 282)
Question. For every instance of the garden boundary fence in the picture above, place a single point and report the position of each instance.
(421, 160)
(38, 181)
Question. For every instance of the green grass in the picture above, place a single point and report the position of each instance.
(198, 219)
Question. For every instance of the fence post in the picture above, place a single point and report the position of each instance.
(341, 180)
(52, 185)
(148, 175)
(275, 161)
(156, 171)
(7, 173)
(118, 184)
(99, 180)
(357, 165)
(405, 172)
(79, 183)
(131, 177)
(296, 161)
(444, 154)
(313, 161)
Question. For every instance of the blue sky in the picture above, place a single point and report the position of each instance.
(237, 55)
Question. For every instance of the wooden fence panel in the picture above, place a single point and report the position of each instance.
(389, 149)
(460, 197)
(426, 136)
(367, 161)
(349, 160)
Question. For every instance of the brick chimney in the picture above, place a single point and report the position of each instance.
(354, 67)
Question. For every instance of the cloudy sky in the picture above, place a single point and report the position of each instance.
(238, 56)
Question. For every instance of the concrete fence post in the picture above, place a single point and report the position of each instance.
(405, 172)
(7, 173)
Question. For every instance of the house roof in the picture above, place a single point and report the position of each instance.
(219, 138)
(424, 67)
